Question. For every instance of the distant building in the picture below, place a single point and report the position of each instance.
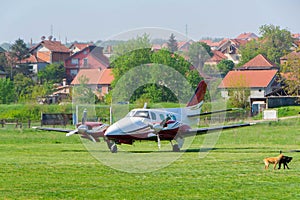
(247, 36)
(90, 57)
(260, 82)
(259, 62)
(216, 58)
(231, 48)
(98, 80)
(76, 47)
(50, 51)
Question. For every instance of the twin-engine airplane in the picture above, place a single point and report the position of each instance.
(172, 124)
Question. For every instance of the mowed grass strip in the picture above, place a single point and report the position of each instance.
(47, 165)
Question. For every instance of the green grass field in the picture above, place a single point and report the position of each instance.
(47, 165)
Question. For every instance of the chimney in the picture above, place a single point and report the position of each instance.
(64, 82)
(50, 37)
(109, 49)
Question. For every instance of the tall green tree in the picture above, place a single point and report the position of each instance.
(82, 94)
(172, 43)
(7, 92)
(23, 86)
(274, 43)
(225, 66)
(19, 50)
(140, 42)
(199, 52)
(291, 68)
(52, 73)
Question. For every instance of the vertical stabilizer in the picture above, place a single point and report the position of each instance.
(198, 95)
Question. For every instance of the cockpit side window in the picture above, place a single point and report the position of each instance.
(161, 116)
(153, 115)
(144, 114)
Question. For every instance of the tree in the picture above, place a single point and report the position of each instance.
(52, 73)
(19, 50)
(23, 86)
(140, 42)
(239, 92)
(82, 94)
(273, 44)
(249, 51)
(276, 42)
(292, 70)
(7, 93)
(225, 66)
(160, 71)
(199, 52)
(172, 43)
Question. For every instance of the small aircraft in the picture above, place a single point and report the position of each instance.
(171, 124)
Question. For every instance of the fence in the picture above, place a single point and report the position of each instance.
(15, 122)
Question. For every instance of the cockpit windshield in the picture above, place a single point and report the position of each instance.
(139, 113)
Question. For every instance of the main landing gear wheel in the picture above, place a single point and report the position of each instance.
(114, 148)
(176, 148)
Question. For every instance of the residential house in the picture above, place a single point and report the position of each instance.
(184, 46)
(213, 45)
(231, 48)
(90, 57)
(50, 51)
(33, 63)
(260, 82)
(216, 58)
(259, 62)
(247, 36)
(75, 47)
(294, 55)
(98, 80)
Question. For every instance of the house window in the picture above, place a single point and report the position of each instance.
(85, 62)
(259, 90)
(100, 89)
(73, 72)
(74, 61)
(85, 52)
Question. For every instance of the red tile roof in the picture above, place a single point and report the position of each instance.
(217, 57)
(248, 78)
(54, 46)
(292, 55)
(247, 36)
(260, 62)
(32, 59)
(95, 76)
(81, 46)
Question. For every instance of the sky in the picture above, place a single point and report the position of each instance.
(92, 20)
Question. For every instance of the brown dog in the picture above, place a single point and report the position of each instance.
(272, 160)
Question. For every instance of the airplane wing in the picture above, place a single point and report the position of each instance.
(202, 131)
(53, 129)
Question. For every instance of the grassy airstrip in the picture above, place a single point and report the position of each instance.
(47, 165)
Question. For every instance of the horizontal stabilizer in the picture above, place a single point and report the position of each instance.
(213, 112)
(202, 131)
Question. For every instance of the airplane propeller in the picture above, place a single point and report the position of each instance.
(72, 132)
(158, 127)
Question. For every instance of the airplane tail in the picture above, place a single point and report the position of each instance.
(198, 96)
